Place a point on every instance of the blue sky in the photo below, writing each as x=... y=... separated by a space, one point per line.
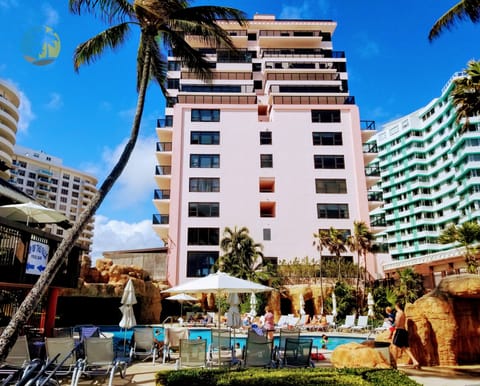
x=84 y=118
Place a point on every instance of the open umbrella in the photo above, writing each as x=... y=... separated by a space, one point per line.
x=128 y=316
x=182 y=298
x=31 y=212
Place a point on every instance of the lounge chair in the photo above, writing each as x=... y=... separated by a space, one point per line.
x=100 y=361
x=297 y=353
x=61 y=353
x=331 y=321
x=282 y=322
x=302 y=321
x=284 y=334
x=220 y=351
x=362 y=323
x=349 y=323
x=144 y=344
x=171 y=342
x=259 y=354
x=12 y=368
x=292 y=321
x=193 y=353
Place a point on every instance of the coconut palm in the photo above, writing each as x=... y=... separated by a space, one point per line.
x=360 y=242
x=410 y=286
x=162 y=25
x=321 y=241
x=243 y=257
x=336 y=246
x=464 y=9
x=466 y=235
x=466 y=94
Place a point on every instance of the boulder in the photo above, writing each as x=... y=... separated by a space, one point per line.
x=354 y=355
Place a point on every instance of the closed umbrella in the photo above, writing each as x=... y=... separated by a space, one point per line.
x=233 y=315
x=253 y=305
x=370 y=304
x=302 y=305
x=334 y=305
x=128 y=316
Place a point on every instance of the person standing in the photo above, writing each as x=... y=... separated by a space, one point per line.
x=268 y=322
x=400 y=337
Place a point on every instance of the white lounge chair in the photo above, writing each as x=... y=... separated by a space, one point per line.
x=362 y=323
x=144 y=344
x=331 y=321
x=282 y=322
x=349 y=323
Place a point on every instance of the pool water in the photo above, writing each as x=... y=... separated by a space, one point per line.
x=120 y=335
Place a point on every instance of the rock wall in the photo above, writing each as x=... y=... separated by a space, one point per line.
x=444 y=325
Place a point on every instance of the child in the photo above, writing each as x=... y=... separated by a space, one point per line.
x=324 y=341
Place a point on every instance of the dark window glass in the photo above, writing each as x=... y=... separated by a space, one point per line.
x=326 y=116
x=204 y=185
x=203 y=236
x=200 y=263
x=203 y=209
x=327 y=139
x=204 y=160
x=267 y=234
x=330 y=185
x=265 y=138
x=266 y=160
x=329 y=162
x=204 y=137
x=205 y=115
x=332 y=211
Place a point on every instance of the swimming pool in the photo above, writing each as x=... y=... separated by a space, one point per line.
x=205 y=333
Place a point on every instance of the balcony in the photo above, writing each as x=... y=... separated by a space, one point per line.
x=163 y=170
x=165 y=122
x=160 y=219
x=378 y=221
x=161 y=194
x=164 y=146
x=372 y=171
x=312 y=100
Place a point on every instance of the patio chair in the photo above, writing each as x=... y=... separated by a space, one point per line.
x=302 y=321
x=331 y=321
x=259 y=354
x=284 y=334
x=362 y=323
x=220 y=351
x=100 y=361
x=13 y=366
x=193 y=353
x=171 y=342
x=60 y=353
x=144 y=344
x=349 y=323
x=297 y=353
x=282 y=322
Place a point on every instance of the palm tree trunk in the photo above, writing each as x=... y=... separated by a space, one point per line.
x=321 y=282
x=358 y=283
x=9 y=335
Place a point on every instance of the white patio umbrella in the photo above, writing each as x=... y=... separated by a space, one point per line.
x=334 y=305
x=233 y=315
x=182 y=298
x=253 y=305
x=128 y=316
x=302 y=305
x=370 y=304
x=31 y=212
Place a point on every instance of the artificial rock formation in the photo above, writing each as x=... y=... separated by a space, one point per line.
x=355 y=355
x=444 y=324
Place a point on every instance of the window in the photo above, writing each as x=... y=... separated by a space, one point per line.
x=327 y=139
x=203 y=209
x=64 y=191
x=66 y=176
x=63 y=199
x=65 y=184
x=265 y=138
x=252 y=36
x=332 y=211
x=21 y=172
x=76 y=186
x=173 y=66
x=204 y=137
x=257 y=84
x=267 y=209
x=31 y=183
x=266 y=160
x=266 y=185
x=329 y=162
x=267 y=234
x=200 y=263
x=204 y=160
x=205 y=115
x=203 y=236
x=173 y=83
x=32 y=175
x=204 y=185
x=322 y=116
x=330 y=185
x=54 y=181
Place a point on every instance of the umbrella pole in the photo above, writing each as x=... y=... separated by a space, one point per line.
x=125 y=342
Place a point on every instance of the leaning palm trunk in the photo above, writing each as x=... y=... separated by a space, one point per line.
x=9 y=335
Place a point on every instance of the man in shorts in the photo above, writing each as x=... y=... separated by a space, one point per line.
x=400 y=337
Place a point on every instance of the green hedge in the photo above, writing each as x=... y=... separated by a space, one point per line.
x=284 y=377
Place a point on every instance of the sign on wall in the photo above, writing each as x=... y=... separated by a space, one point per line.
x=37 y=257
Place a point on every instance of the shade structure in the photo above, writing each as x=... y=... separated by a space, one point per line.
x=182 y=298
x=31 y=212
x=219 y=282
x=128 y=316
x=253 y=305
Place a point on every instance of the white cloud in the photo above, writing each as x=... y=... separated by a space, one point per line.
x=51 y=15
x=26 y=113
x=55 y=102
x=308 y=9
x=137 y=180
x=113 y=235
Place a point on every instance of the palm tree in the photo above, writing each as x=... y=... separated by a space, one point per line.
x=466 y=235
x=466 y=94
x=360 y=243
x=411 y=285
x=336 y=246
x=162 y=24
x=321 y=241
x=464 y=9
x=243 y=257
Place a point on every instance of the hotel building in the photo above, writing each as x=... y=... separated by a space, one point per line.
x=9 y=116
x=45 y=178
x=430 y=177
x=273 y=142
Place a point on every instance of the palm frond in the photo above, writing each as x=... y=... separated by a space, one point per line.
x=106 y=10
x=93 y=48
x=459 y=12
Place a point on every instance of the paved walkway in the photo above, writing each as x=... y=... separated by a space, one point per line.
x=143 y=373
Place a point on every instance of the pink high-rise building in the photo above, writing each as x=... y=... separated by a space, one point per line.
x=273 y=142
